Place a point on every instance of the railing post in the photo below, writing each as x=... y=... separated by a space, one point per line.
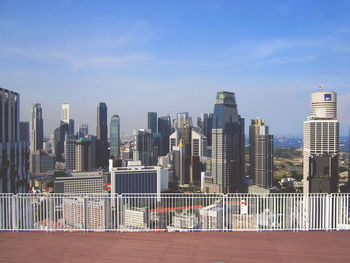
x=119 y=199
x=224 y=199
x=328 y=212
x=305 y=211
x=257 y=212
x=14 y=213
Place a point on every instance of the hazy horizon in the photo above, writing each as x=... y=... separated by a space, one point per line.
x=171 y=57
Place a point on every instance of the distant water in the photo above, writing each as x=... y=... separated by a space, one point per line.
x=297 y=142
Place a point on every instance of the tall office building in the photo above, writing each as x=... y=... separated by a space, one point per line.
x=58 y=141
x=321 y=140
x=84 y=155
x=263 y=158
x=205 y=123
x=198 y=150
x=181 y=119
x=143 y=148
x=199 y=143
x=174 y=139
x=14 y=153
x=66 y=118
x=114 y=136
x=83 y=130
x=164 y=128
x=187 y=139
x=36 y=128
x=41 y=162
x=24 y=131
x=152 y=121
x=156 y=141
x=71 y=130
x=65 y=113
x=178 y=164
x=102 y=155
x=70 y=152
x=254 y=130
x=227 y=145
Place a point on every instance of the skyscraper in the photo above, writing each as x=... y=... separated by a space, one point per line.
x=254 y=130
x=174 y=139
x=181 y=119
x=71 y=127
x=101 y=132
x=198 y=150
x=65 y=113
x=143 y=148
x=164 y=128
x=83 y=130
x=14 y=153
x=227 y=145
x=41 y=162
x=58 y=142
x=263 y=158
x=36 y=128
x=205 y=123
x=321 y=140
x=70 y=152
x=199 y=143
x=152 y=121
x=24 y=131
x=114 y=136
x=84 y=155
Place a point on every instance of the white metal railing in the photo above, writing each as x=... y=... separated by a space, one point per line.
x=174 y=212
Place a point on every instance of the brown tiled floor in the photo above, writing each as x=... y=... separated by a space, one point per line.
x=176 y=247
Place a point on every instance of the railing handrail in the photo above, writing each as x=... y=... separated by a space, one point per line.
x=174 y=212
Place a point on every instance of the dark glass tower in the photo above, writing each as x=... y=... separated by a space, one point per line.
x=164 y=128
x=227 y=145
x=101 y=132
x=114 y=135
x=14 y=153
x=59 y=138
x=152 y=121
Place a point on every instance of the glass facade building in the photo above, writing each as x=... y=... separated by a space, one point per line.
x=164 y=128
x=14 y=153
x=36 y=128
x=101 y=132
x=227 y=145
x=114 y=136
x=152 y=121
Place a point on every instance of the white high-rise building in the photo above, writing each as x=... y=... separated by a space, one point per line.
x=181 y=119
x=174 y=139
x=65 y=113
x=321 y=130
x=199 y=143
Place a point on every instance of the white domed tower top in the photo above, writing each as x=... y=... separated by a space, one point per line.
x=323 y=104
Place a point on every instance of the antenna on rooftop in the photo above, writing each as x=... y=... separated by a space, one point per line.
x=320 y=87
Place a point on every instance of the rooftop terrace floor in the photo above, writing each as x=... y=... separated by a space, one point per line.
x=175 y=247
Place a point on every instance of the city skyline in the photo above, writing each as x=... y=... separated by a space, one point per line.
x=171 y=58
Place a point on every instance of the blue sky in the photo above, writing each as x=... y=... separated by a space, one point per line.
x=173 y=56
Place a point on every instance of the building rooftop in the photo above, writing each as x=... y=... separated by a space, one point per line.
x=175 y=247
